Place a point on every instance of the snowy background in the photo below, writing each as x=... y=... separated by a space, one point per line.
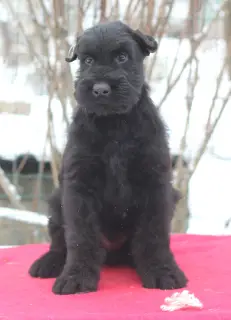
x=209 y=192
x=209 y=197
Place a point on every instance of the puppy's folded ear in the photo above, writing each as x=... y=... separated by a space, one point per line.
x=147 y=43
x=72 y=54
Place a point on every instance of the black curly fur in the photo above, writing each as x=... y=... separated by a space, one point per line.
x=116 y=200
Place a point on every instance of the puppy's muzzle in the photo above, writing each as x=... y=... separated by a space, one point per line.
x=101 y=89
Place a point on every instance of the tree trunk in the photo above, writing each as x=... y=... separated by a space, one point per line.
x=227 y=34
x=10 y=190
x=182 y=214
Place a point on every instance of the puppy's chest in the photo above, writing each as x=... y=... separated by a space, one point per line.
x=117 y=158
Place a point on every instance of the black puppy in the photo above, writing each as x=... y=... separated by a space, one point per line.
x=115 y=200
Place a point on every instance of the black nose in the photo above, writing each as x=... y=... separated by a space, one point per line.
x=101 y=89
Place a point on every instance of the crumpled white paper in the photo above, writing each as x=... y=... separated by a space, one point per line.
x=181 y=301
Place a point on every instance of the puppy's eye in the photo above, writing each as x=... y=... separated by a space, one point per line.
x=88 y=61
x=122 y=57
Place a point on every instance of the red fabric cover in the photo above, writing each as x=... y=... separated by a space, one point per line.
x=205 y=259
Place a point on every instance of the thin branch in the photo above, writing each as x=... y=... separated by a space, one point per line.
x=219 y=157
x=209 y=134
x=197 y=42
x=192 y=82
x=161 y=22
x=174 y=82
x=10 y=190
x=215 y=96
x=32 y=51
x=54 y=165
x=38 y=185
x=175 y=60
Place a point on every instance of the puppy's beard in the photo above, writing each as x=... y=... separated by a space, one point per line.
x=122 y=99
x=106 y=110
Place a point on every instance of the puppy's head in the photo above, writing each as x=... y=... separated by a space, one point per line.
x=111 y=74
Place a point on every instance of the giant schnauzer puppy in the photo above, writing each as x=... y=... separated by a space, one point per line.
x=115 y=200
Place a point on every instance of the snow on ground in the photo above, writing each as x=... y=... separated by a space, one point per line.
x=6 y=247
x=210 y=186
x=24 y=216
x=204 y=221
x=209 y=198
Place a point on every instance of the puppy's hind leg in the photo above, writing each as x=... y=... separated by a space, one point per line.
x=154 y=260
x=51 y=264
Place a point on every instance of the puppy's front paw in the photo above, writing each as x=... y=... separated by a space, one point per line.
x=69 y=283
x=50 y=265
x=165 y=277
